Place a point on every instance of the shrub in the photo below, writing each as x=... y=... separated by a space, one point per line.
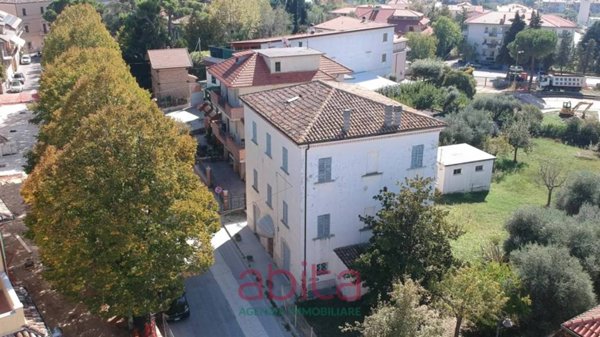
x=530 y=225
x=581 y=189
x=430 y=70
x=558 y=286
x=468 y=126
x=462 y=81
x=501 y=107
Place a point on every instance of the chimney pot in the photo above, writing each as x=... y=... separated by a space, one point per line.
x=387 y=118
x=397 y=115
x=347 y=113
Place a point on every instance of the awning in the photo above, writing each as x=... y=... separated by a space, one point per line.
x=265 y=227
x=17 y=40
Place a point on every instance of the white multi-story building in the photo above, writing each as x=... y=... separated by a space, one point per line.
x=486 y=31
x=361 y=45
x=316 y=155
x=256 y=70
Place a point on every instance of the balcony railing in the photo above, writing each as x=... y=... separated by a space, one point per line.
x=233 y=143
x=220 y=101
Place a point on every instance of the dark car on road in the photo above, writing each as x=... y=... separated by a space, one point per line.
x=179 y=309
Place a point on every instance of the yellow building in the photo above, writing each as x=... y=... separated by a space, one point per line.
x=35 y=27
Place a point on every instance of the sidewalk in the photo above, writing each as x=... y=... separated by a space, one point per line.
x=22 y=97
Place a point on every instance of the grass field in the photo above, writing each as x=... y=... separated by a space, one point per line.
x=483 y=215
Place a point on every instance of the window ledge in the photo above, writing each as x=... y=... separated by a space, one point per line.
x=325 y=181
x=255 y=142
x=323 y=237
x=268 y=155
x=286 y=225
x=416 y=168
x=256 y=189
x=372 y=174
x=285 y=171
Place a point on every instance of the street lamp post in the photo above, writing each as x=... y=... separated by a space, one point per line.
x=505 y=323
x=519 y=52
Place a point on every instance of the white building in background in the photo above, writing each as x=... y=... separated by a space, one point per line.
x=463 y=168
x=316 y=154
x=361 y=45
x=584 y=12
x=486 y=31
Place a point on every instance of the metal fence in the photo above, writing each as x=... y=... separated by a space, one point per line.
x=292 y=315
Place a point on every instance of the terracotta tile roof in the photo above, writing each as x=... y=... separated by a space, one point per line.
x=169 y=58
x=505 y=19
x=347 y=23
x=248 y=68
x=584 y=325
x=313 y=112
x=349 y=254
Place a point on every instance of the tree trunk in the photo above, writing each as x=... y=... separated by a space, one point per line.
x=515 y=157
x=549 y=197
x=457 y=327
x=532 y=72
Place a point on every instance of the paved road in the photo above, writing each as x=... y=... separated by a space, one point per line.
x=216 y=309
x=32 y=74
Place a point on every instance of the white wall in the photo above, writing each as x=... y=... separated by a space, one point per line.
x=294 y=63
x=359 y=50
x=468 y=180
x=348 y=196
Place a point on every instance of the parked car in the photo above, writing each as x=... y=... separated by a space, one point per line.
x=20 y=77
x=15 y=86
x=179 y=309
x=25 y=59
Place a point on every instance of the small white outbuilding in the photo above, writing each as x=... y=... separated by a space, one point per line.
x=463 y=168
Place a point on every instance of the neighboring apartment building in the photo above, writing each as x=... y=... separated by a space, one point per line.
x=171 y=82
x=399 y=61
x=396 y=13
x=31 y=12
x=485 y=31
x=11 y=29
x=471 y=10
x=257 y=70
x=360 y=45
x=317 y=154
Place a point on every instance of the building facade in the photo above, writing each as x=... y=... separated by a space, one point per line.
x=171 y=82
x=31 y=12
x=463 y=168
x=11 y=30
x=486 y=31
x=251 y=71
x=317 y=154
x=360 y=45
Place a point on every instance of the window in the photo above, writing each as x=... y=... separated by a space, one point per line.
x=384 y=37
x=322 y=268
x=284 y=214
x=45 y=28
x=383 y=58
x=284 y=159
x=323 y=223
x=268 y=150
x=372 y=159
x=29 y=45
x=213 y=80
x=24 y=11
x=457 y=171
x=324 y=169
x=300 y=44
x=277 y=67
x=26 y=29
x=417 y=156
x=255 y=180
x=411 y=29
x=269 y=196
x=254 y=133
x=478 y=168
x=486 y=29
x=42 y=10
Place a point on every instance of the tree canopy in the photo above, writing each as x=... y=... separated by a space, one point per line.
x=448 y=35
x=77 y=26
x=411 y=237
x=421 y=46
x=534 y=44
x=517 y=25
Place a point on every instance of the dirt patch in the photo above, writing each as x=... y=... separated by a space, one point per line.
x=24 y=269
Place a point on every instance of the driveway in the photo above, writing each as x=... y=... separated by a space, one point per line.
x=216 y=308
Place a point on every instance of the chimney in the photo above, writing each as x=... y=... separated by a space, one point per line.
x=397 y=115
x=346 y=127
x=387 y=117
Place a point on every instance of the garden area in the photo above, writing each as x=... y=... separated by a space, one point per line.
x=483 y=215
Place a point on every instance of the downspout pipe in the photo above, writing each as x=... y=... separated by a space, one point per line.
x=305 y=212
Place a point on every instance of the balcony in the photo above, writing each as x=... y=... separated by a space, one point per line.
x=12 y=316
x=233 y=113
x=232 y=143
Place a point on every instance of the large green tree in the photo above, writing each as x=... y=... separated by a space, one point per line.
x=448 y=35
x=119 y=215
x=565 y=50
x=534 y=44
x=517 y=25
x=421 y=46
x=56 y=7
x=411 y=237
x=77 y=26
x=403 y=316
